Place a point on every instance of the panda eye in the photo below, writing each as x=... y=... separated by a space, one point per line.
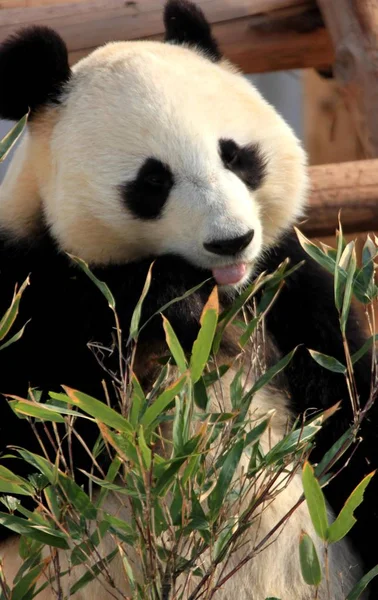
x=229 y=151
x=157 y=180
x=247 y=162
x=147 y=194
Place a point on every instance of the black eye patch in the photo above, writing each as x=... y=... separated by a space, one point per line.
x=146 y=195
x=247 y=162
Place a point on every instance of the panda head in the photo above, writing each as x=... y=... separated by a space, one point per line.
x=146 y=149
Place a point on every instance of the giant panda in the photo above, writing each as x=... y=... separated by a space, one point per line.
x=163 y=151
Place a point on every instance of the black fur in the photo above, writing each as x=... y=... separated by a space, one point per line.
x=186 y=24
x=148 y=193
x=246 y=162
x=33 y=71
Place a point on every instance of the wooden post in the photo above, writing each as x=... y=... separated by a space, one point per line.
x=351 y=187
x=353 y=25
x=257 y=35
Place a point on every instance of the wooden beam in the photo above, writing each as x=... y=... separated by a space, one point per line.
x=351 y=187
x=257 y=35
x=353 y=25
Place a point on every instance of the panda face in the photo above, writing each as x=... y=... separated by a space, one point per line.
x=155 y=149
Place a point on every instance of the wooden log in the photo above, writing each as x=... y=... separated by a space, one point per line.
x=257 y=35
x=353 y=25
x=351 y=187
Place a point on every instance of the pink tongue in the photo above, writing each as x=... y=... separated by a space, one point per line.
x=230 y=274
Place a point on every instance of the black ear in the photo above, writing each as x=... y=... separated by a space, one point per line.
x=186 y=24
x=33 y=70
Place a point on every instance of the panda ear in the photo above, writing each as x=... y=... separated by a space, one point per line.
x=186 y=24
x=33 y=70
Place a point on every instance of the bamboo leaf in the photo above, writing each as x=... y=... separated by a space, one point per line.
x=314 y=252
x=101 y=285
x=263 y=381
x=310 y=565
x=135 y=319
x=328 y=362
x=25 y=584
x=365 y=348
x=315 y=501
x=361 y=586
x=17 y=336
x=12 y=484
x=202 y=346
x=97 y=409
x=34 y=409
x=77 y=497
x=161 y=403
x=225 y=476
x=11 y=138
x=350 y=269
x=346 y=519
x=174 y=346
x=94 y=572
x=339 y=281
x=12 y=312
x=43 y=534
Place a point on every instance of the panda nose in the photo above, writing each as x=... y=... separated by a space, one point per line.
x=230 y=246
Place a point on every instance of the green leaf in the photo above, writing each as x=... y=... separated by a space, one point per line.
x=41 y=464
x=228 y=316
x=168 y=477
x=339 y=281
x=43 y=534
x=135 y=319
x=315 y=501
x=215 y=375
x=77 y=497
x=328 y=362
x=246 y=336
x=225 y=476
x=364 y=279
x=161 y=403
x=365 y=348
x=12 y=484
x=350 y=269
x=291 y=442
x=347 y=438
x=17 y=336
x=345 y=519
x=192 y=290
x=316 y=253
x=202 y=346
x=360 y=587
x=34 y=409
x=138 y=401
x=100 y=284
x=11 y=138
x=263 y=381
x=200 y=394
x=174 y=346
x=11 y=314
x=99 y=410
x=27 y=582
x=222 y=540
x=94 y=572
x=310 y=565
x=144 y=449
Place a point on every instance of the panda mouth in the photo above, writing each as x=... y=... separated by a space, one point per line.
x=230 y=274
